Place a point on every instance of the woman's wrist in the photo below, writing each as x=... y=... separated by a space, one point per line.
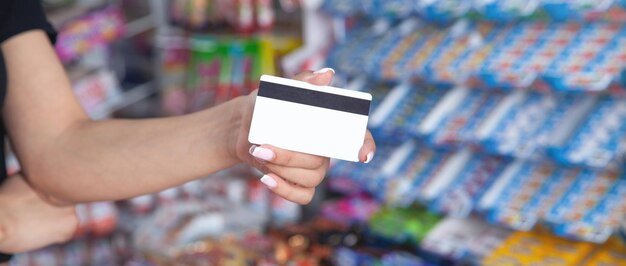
x=222 y=125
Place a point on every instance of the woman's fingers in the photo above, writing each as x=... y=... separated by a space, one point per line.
x=287 y=190
x=366 y=154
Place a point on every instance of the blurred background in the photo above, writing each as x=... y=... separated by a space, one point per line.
x=501 y=130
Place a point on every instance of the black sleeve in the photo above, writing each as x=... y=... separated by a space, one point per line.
x=5 y=257
x=17 y=16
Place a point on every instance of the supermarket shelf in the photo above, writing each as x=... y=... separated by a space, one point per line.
x=62 y=15
x=125 y=99
x=139 y=26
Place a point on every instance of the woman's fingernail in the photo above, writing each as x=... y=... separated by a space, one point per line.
x=269 y=181
x=369 y=157
x=251 y=150
x=263 y=153
x=324 y=70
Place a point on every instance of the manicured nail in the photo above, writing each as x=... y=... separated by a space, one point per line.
x=324 y=70
x=369 y=157
x=263 y=153
x=269 y=181
x=251 y=150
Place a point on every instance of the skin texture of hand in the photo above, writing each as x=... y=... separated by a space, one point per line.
x=289 y=174
x=28 y=222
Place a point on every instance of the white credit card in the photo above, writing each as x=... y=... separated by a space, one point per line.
x=302 y=117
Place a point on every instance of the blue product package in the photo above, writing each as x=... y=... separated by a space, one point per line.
x=466 y=66
x=402 y=185
x=506 y=10
x=348 y=257
x=363 y=172
x=402 y=258
x=443 y=11
x=460 y=40
x=523 y=55
x=582 y=198
x=390 y=9
x=523 y=187
x=404 y=108
x=563 y=10
x=601 y=221
x=591 y=62
x=342 y=8
x=399 y=67
x=525 y=129
x=381 y=51
x=460 y=198
x=459 y=126
x=596 y=142
x=357 y=39
x=550 y=193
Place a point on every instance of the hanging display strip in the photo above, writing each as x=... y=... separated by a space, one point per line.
x=570 y=129
x=574 y=203
x=553 y=56
x=447 y=11
x=489 y=122
x=455 y=150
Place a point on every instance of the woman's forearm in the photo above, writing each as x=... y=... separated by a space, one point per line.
x=71 y=158
x=116 y=159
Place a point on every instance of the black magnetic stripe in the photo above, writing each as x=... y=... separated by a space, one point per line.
x=314 y=98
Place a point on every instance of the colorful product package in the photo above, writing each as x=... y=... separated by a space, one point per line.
x=352 y=178
x=440 y=68
x=407 y=172
x=592 y=61
x=505 y=11
x=459 y=124
x=353 y=209
x=174 y=63
x=584 y=212
x=93 y=30
x=464 y=239
x=442 y=11
x=402 y=110
x=207 y=64
x=460 y=197
x=575 y=10
x=517 y=193
x=403 y=225
x=390 y=9
x=523 y=54
x=526 y=123
x=611 y=253
x=391 y=67
x=341 y=8
x=598 y=140
x=538 y=248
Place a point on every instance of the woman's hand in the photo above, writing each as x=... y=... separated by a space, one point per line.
x=292 y=175
x=28 y=222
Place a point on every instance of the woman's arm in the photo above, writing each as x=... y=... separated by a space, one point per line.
x=74 y=159
x=28 y=222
